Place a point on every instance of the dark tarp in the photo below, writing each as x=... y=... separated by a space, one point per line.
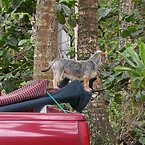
x=73 y=93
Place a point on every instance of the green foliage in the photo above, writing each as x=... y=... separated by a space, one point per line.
x=135 y=67
x=142 y=52
x=64 y=10
x=128 y=82
x=142 y=140
x=140 y=134
x=133 y=64
x=71 y=52
x=115 y=113
x=66 y=16
x=16 y=51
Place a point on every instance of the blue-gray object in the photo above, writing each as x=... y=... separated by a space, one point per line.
x=73 y=93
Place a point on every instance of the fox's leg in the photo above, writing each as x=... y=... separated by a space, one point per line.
x=57 y=75
x=54 y=82
x=97 y=83
x=86 y=83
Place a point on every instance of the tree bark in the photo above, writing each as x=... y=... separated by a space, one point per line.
x=87 y=28
x=100 y=127
x=45 y=38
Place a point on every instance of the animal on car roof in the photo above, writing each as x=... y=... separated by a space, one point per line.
x=82 y=70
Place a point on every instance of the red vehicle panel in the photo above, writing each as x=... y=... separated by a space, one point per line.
x=43 y=129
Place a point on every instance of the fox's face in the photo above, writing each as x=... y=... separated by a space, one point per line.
x=100 y=57
x=104 y=57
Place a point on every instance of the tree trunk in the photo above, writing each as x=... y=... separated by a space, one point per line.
x=87 y=28
x=45 y=38
x=100 y=128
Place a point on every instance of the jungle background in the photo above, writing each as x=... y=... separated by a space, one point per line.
x=119 y=31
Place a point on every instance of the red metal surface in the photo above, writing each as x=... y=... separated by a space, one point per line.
x=40 y=129
x=84 y=133
x=6 y=116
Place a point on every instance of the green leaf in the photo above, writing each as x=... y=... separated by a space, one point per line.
x=8 y=56
x=1 y=53
x=5 y=4
x=9 y=76
x=142 y=52
x=125 y=33
x=72 y=3
x=142 y=140
x=21 y=15
x=136 y=33
x=69 y=3
x=122 y=68
x=143 y=72
x=60 y=1
x=138 y=95
x=143 y=95
x=72 y=21
x=132 y=29
x=61 y=18
x=134 y=56
x=137 y=1
x=136 y=82
x=21 y=42
x=12 y=41
x=130 y=18
x=66 y=9
x=127 y=60
x=58 y=7
x=9 y=86
x=2 y=77
x=104 y=12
